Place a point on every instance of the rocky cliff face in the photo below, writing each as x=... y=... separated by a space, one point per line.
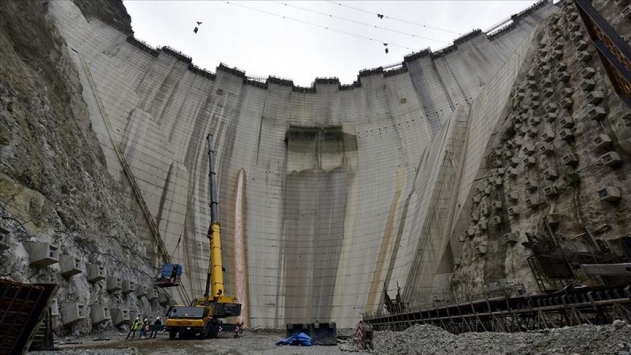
x=54 y=184
x=554 y=190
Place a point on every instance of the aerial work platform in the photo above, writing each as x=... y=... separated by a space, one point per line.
x=169 y=275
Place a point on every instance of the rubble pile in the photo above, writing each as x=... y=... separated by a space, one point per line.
x=584 y=340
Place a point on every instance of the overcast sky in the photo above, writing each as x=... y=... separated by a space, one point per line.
x=289 y=39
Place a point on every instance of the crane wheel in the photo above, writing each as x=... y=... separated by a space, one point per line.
x=172 y=334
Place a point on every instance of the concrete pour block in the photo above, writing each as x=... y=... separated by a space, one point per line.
x=561 y=66
x=609 y=194
x=128 y=286
x=72 y=312
x=69 y=266
x=550 y=174
x=547 y=135
x=566 y=122
x=563 y=76
x=549 y=191
x=532 y=132
x=587 y=72
x=42 y=253
x=545 y=148
x=576 y=36
x=583 y=56
x=531 y=185
x=566 y=92
x=602 y=142
x=141 y=290
x=96 y=273
x=566 y=102
x=548 y=91
x=595 y=97
x=514 y=211
x=595 y=112
x=550 y=107
x=533 y=202
x=120 y=316
x=550 y=117
x=481 y=249
x=588 y=85
x=152 y=294
x=566 y=134
x=581 y=45
x=569 y=159
x=511 y=238
x=113 y=284
x=99 y=314
x=610 y=159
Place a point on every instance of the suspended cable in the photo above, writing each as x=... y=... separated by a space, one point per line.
x=315 y=25
x=361 y=23
x=395 y=19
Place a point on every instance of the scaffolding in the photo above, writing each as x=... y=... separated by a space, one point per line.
x=23 y=308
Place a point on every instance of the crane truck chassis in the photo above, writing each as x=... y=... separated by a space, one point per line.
x=205 y=314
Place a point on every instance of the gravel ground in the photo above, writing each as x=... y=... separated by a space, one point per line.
x=581 y=340
x=419 y=339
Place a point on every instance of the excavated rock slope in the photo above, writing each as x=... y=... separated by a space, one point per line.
x=54 y=184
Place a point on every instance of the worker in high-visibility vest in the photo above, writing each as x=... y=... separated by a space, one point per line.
x=133 y=328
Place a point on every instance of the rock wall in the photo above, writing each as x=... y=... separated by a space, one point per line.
x=54 y=185
x=544 y=198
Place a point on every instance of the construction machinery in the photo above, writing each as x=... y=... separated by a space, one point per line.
x=205 y=315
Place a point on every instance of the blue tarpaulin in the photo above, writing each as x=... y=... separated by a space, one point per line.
x=296 y=339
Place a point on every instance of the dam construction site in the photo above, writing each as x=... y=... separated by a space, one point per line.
x=470 y=200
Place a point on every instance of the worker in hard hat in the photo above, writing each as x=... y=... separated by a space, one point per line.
x=132 y=330
x=156 y=324
x=145 y=328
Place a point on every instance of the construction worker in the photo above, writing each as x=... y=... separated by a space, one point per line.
x=144 y=329
x=157 y=323
x=132 y=330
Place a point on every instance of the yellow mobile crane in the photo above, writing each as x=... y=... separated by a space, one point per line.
x=204 y=315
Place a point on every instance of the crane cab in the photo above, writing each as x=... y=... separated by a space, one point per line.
x=169 y=275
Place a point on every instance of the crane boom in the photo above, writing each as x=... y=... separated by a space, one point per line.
x=215 y=276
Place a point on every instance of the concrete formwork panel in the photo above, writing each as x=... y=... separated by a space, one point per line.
x=96 y=273
x=42 y=253
x=128 y=286
x=114 y=283
x=152 y=294
x=69 y=266
x=99 y=314
x=120 y=316
x=72 y=312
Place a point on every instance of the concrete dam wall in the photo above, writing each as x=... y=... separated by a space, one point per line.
x=330 y=196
